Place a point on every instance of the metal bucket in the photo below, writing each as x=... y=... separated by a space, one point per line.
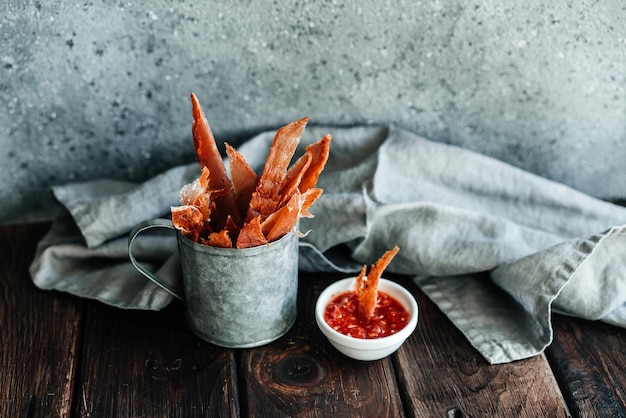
x=234 y=298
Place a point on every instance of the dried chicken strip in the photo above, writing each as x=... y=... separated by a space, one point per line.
x=251 y=234
x=219 y=239
x=292 y=179
x=367 y=286
x=265 y=198
x=305 y=173
x=209 y=156
x=308 y=198
x=360 y=280
x=188 y=220
x=243 y=178
x=197 y=194
x=283 y=220
x=206 y=148
x=191 y=193
x=232 y=228
x=319 y=152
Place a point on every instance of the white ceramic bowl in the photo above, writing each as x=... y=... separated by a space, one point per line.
x=366 y=349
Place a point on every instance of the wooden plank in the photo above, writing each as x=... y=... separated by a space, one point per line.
x=302 y=375
x=441 y=375
x=39 y=333
x=139 y=363
x=589 y=359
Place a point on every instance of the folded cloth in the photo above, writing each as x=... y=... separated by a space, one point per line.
x=85 y=252
x=496 y=248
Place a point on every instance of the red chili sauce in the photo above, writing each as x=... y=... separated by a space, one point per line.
x=389 y=316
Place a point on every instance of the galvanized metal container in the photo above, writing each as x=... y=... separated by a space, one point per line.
x=234 y=298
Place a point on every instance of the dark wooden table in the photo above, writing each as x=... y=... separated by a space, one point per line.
x=65 y=356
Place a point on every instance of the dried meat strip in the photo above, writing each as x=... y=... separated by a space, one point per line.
x=209 y=156
x=367 y=286
x=266 y=197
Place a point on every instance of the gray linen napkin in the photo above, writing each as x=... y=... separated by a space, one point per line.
x=496 y=248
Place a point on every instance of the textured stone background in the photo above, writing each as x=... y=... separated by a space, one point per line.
x=102 y=89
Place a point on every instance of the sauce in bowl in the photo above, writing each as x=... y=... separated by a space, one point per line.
x=389 y=316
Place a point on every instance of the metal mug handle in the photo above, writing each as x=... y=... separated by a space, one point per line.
x=152 y=223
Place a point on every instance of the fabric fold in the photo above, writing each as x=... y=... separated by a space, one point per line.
x=496 y=248
x=105 y=208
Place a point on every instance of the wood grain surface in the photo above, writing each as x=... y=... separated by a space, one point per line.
x=40 y=334
x=61 y=356
x=589 y=360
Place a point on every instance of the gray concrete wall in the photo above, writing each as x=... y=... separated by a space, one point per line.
x=94 y=89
